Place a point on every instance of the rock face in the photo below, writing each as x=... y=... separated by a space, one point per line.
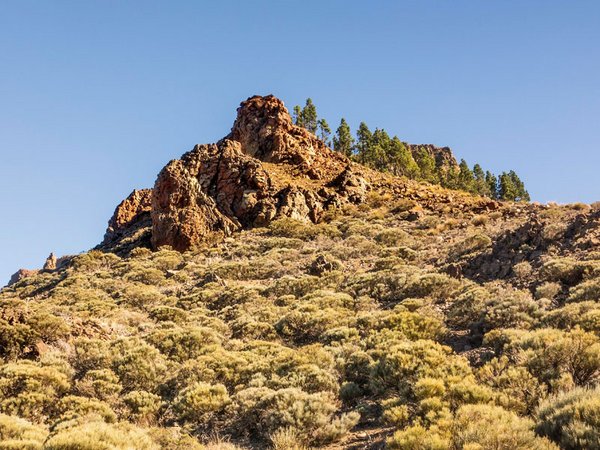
x=129 y=225
x=265 y=168
x=50 y=263
x=21 y=274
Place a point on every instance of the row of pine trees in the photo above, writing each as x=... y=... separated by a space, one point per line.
x=378 y=150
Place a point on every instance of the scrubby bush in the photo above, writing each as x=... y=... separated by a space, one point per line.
x=97 y=435
x=138 y=365
x=30 y=391
x=571 y=419
x=551 y=355
x=311 y=416
x=487 y=427
x=585 y=315
x=72 y=407
x=547 y=290
x=296 y=229
x=20 y=434
x=180 y=344
x=143 y=407
x=102 y=384
x=587 y=291
x=472 y=244
x=515 y=388
x=200 y=401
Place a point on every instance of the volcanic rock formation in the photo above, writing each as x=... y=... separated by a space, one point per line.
x=265 y=168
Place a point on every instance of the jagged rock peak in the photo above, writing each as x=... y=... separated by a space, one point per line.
x=265 y=168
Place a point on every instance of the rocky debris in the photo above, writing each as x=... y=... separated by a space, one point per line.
x=526 y=243
x=21 y=274
x=50 y=263
x=351 y=185
x=322 y=265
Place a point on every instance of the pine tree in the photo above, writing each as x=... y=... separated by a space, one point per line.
x=466 y=180
x=309 y=116
x=521 y=193
x=343 y=140
x=507 y=189
x=324 y=131
x=450 y=177
x=481 y=186
x=364 y=141
x=427 y=166
x=298 y=116
x=492 y=183
x=379 y=155
x=403 y=162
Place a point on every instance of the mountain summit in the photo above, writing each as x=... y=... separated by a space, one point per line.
x=266 y=168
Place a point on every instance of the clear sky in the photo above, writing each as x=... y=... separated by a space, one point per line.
x=96 y=96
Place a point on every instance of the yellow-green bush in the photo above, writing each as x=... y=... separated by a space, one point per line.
x=97 y=435
x=31 y=391
x=20 y=434
x=198 y=402
x=571 y=419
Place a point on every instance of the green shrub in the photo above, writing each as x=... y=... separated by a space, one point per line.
x=548 y=290
x=515 y=388
x=200 y=401
x=296 y=229
x=311 y=416
x=417 y=437
x=180 y=344
x=72 y=406
x=472 y=244
x=487 y=427
x=551 y=354
x=20 y=434
x=102 y=384
x=138 y=365
x=585 y=315
x=401 y=365
x=143 y=407
x=571 y=419
x=98 y=435
x=29 y=390
x=587 y=291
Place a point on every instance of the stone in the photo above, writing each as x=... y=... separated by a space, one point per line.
x=322 y=265
x=128 y=222
x=20 y=275
x=50 y=263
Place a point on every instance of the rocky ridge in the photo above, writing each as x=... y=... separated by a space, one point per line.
x=266 y=168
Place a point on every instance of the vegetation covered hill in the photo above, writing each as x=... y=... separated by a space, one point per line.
x=405 y=316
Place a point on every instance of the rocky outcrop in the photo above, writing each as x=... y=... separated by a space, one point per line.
x=265 y=168
x=50 y=263
x=20 y=275
x=130 y=224
x=443 y=156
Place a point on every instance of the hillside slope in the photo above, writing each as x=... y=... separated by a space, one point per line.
x=269 y=293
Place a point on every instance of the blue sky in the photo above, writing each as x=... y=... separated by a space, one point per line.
x=97 y=96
